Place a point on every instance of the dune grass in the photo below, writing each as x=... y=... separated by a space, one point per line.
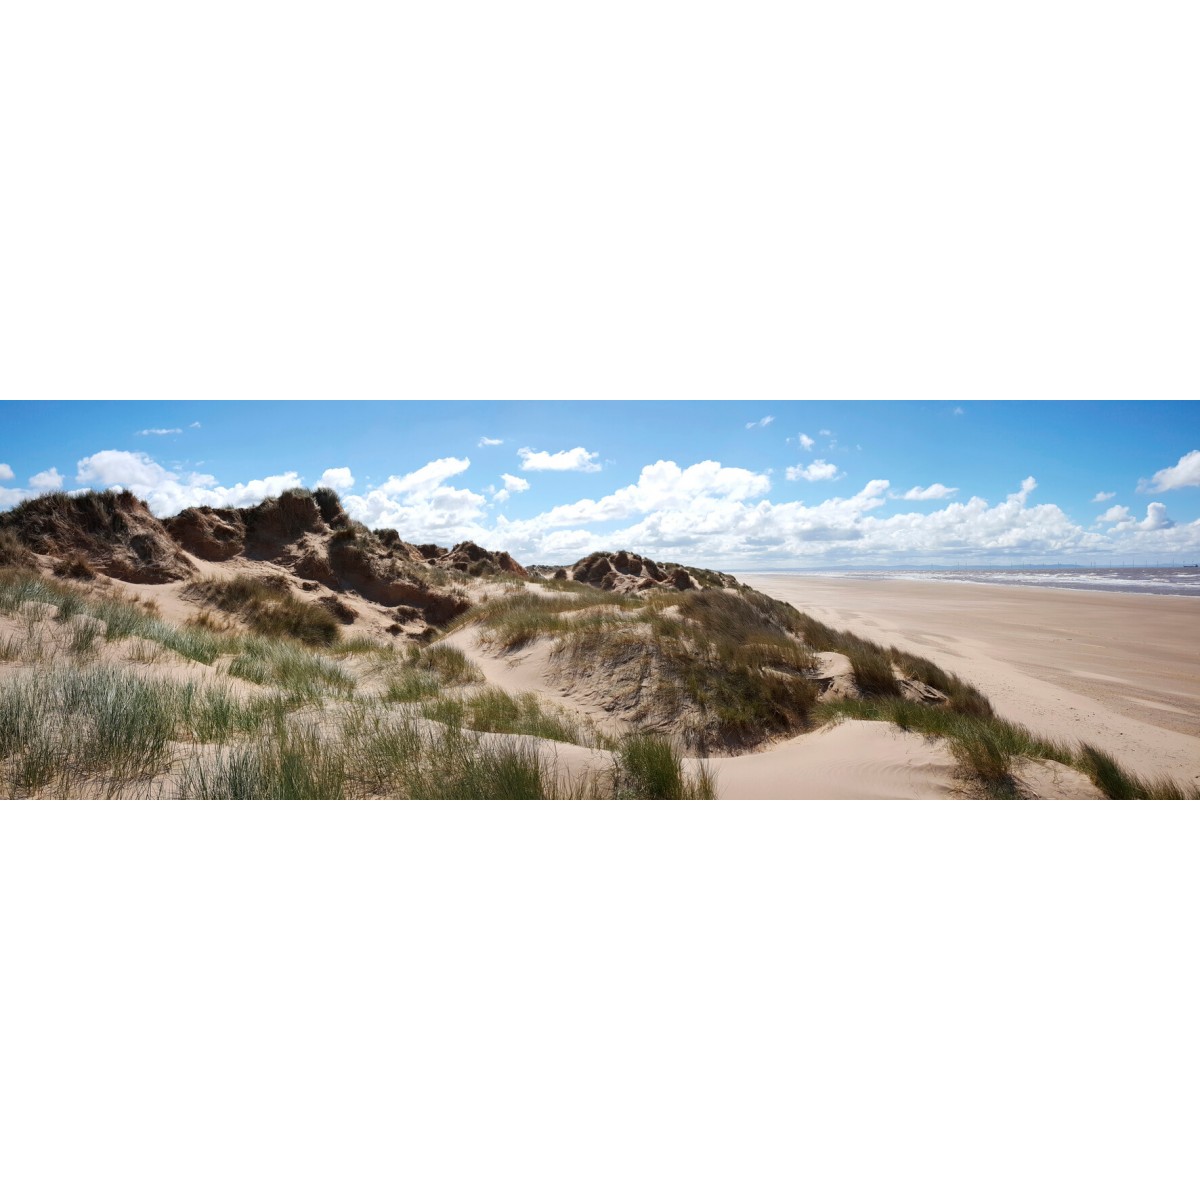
x=1114 y=781
x=649 y=767
x=720 y=665
x=512 y=621
x=108 y=726
x=267 y=605
x=290 y=666
x=989 y=748
x=493 y=710
x=294 y=765
x=120 y=618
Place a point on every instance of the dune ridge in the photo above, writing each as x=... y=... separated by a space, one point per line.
x=285 y=649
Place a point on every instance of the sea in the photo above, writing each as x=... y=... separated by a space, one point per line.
x=1142 y=581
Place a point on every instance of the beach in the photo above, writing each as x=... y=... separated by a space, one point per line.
x=1120 y=671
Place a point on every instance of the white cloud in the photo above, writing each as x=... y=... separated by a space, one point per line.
x=935 y=491
x=512 y=483
x=1185 y=473
x=759 y=424
x=337 y=478
x=1156 y=519
x=958 y=412
x=194 y=425
x=6 y=472
x=664 y=486
x=421 y=507
x=824 y=433
x=807 y=442
x=815 y=472
x=1100 y=497
x=487 y=441
x=164 y=491
x=706 y=513
x=431 y=475
x=46 y=479
x=577 y=459
x=156 y=432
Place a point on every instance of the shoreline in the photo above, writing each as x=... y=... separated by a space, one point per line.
x=1121 y=588
x=1116 y=669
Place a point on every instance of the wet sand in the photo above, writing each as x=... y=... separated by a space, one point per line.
x=1120 y=671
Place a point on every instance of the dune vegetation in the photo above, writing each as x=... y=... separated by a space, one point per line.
x=314 y=662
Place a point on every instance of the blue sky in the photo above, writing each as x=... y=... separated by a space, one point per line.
x=733 y=484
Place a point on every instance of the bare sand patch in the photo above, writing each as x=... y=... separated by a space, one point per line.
x=854 y=760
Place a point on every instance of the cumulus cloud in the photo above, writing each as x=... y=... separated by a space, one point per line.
x=935 y=491
x=421 y=508
x=431 y=475
x=337 y=478
x=194 y=425
x=512 y=484
x=6 y=472
x=759 y=424
x=1185 y=473
x=1100 y=497
x=663 y=486
x=806 y=442
x=1156 y=519
x=46 y=479
x=675 y=514
x=156 y=432
x=487 y=441
x=577 y=459
x=816 y=471
x=166 y=492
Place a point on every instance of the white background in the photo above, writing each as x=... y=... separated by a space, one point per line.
x=625 y=200
x=640 y=198
x=637 y=1000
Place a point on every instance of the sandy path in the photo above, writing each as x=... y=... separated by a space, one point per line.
x=1120 y=671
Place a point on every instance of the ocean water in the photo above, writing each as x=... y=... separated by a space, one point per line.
x=1154 y=581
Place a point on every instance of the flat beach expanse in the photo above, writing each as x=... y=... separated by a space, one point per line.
x=1120 y=671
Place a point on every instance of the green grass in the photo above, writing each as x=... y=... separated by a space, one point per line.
x=294 y=765
x=291 y=667
x=120 y=618
x=269 y=608
x=74 y=724
x=493 y=710
x=410 y=684
x=723 y=667
x=873 y=672
x=650 y=768
x=513 y=621
x=1118 y=784
x=989 y=748
x=448 y=663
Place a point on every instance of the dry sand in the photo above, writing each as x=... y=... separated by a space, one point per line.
x=1120 y=671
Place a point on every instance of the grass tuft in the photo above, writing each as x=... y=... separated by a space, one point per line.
x=267 y=605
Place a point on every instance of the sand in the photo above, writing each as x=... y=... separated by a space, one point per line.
x=1120 y=671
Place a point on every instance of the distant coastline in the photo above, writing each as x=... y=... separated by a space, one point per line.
x=1138 y=581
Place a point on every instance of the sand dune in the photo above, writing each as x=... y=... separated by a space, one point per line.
x=1120 y=671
